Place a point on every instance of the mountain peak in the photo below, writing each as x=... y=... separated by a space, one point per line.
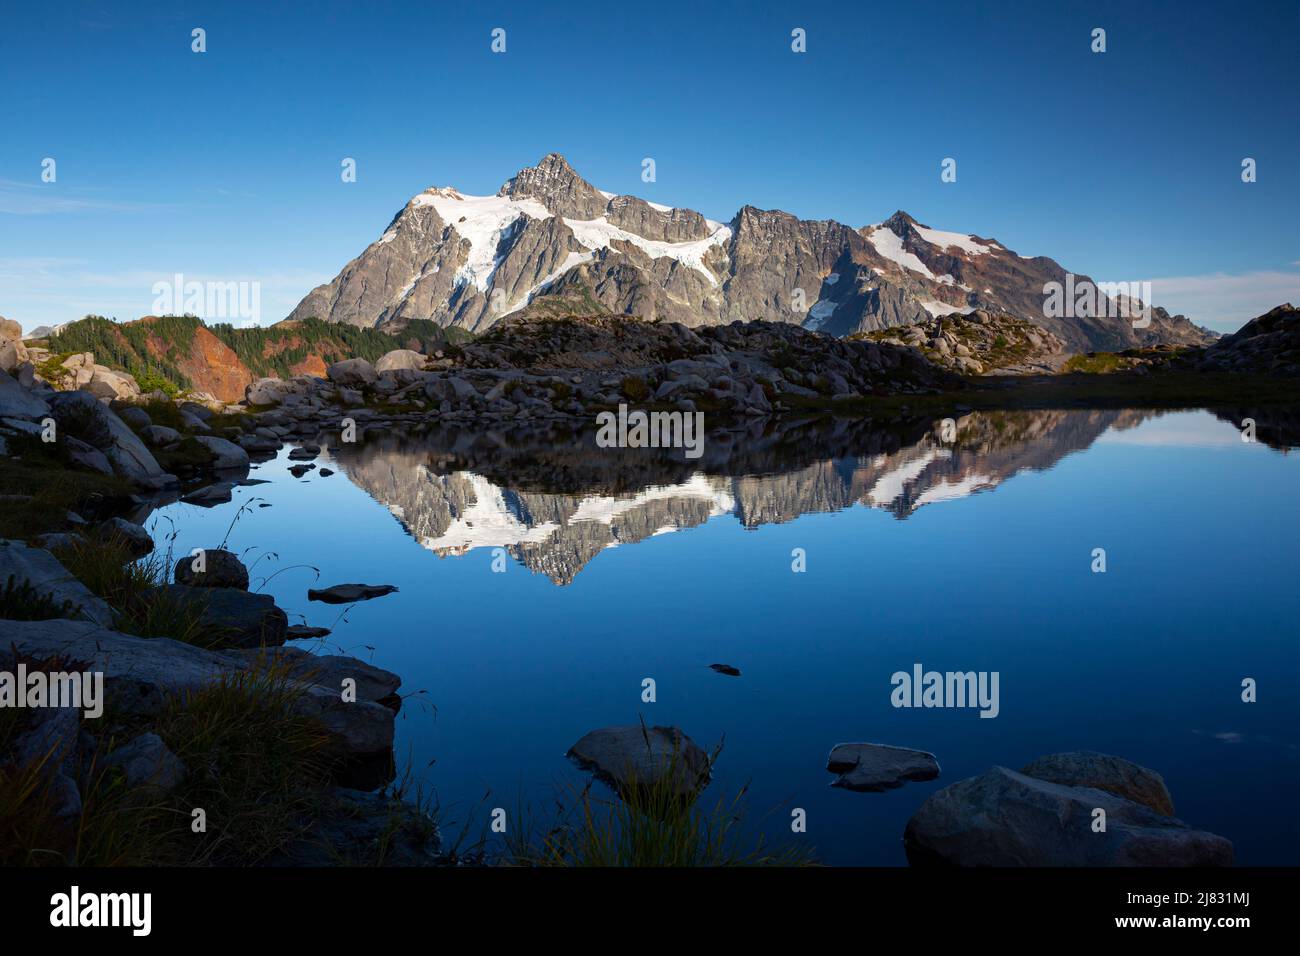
x=900 y=218
x=557 y=186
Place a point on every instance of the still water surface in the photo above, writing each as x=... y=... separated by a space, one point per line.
x=970 y=555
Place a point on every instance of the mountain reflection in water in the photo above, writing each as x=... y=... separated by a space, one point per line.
x=554 y=500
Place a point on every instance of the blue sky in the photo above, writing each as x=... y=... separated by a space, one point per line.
x=225 y=165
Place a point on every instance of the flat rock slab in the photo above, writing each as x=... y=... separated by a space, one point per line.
x=634 y=756
x=349 y=593
x=1124 y=778
x=874 y=768
x=46 y=576
x=1004 y=818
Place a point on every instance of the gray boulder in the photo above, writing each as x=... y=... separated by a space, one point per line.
x=636 y=757
x=221 y=569
x=873 y=768
x=18 y=402
x=227 y=456
x=352 y=373
x=134 y=537
x=400 y=359
x=1003 y=818
x=146 y=763
x=82 y=416
x=43 y=572
x=135 y=416
x=160 y=435
x=1106 y=772
x=83 y=455
x=106 y=383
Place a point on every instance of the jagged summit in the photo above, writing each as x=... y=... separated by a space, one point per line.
x=469 y=261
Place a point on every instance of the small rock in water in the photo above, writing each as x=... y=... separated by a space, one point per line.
x=634 y=756
x=305 y=632
x=348 y=593
x=265 y=504
x=725 y=669
x=325 y=472
x=873 y=768
x=305 y=453
x=210 y=495
x=299 y=470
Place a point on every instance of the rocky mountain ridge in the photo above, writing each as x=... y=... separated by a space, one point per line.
x=469 y=261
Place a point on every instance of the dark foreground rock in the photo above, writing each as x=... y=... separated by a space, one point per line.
x=218 y=569
x=1269 y=344
x=1003 y=818
x=230 y=617
x=353 y=828
x=635 y=756
x=873 y=768
x=141 y=674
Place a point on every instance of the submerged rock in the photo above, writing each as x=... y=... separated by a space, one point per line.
x=348 y=593
x=725 y=669
x=1003 y=818
x=635 y=756
x=873 y=768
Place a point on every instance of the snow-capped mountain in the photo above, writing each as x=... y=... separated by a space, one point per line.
x=471 y=260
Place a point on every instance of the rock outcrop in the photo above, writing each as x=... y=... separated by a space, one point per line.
x=981 y=343
x=1269 y=344
x=1004 y=818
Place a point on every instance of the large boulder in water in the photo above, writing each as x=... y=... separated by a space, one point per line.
x=1004 y=818
x=1124 y=778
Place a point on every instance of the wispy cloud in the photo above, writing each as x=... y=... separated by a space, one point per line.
x=1223 y=301
x=30 y=199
